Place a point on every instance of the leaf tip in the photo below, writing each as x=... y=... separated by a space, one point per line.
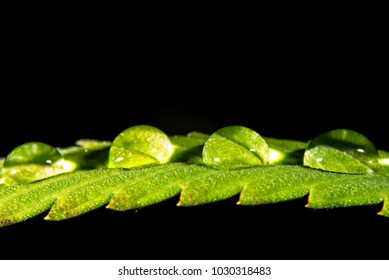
x=385 y=208
x=181 y=202
x=115 y=205
x=48 y=217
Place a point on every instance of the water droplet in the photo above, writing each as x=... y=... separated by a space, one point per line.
x=140 y=145
x=32 y=152
x=341 y=150
x=235 y=146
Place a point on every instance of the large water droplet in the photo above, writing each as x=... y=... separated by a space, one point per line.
x=33 y=161
x=341 y=150
x=32 y=152
x=140 y=145
x=235 y=146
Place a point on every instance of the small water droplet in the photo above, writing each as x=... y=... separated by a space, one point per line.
x=217 y=159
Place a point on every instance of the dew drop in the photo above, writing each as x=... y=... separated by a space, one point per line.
x=32 y=152
x=341 y=150
x=235 y=146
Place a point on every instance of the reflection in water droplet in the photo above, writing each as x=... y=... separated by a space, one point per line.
x=13 y=172
x=319 y=159
x=361 y=150
x=275 y=155
x=252 y=150
x=66 y=165
x=119 y=159
x=154 y=150
x=217 y=159
x=384 y=161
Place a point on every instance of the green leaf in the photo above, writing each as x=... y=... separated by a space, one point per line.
x=188 y=148
x=341 y=150
x=285 y=151
x=26 y=173
x=348 y=190
x=23 y=201
x=140 y=145
x=235 y=146
x=383 y=163
x=87 y=153
x=72 y=194
x=326 y=189
x=259 y=170
x=93 y=144
x=152 y=185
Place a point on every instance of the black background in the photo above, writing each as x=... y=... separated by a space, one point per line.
x=60 y=88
